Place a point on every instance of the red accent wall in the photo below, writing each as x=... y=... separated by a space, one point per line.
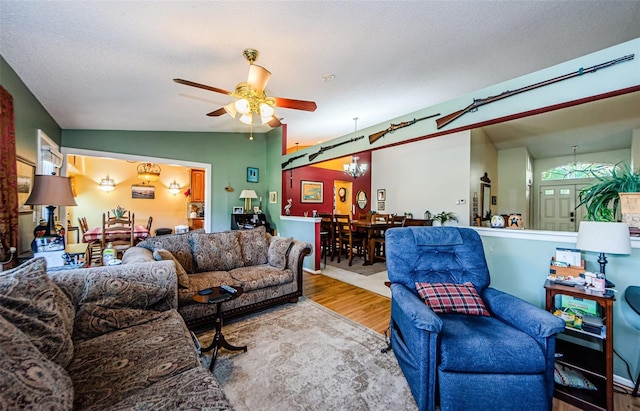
x=291 y=187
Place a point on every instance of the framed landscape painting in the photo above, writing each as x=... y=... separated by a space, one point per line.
x=26 y=171
x=311 y=191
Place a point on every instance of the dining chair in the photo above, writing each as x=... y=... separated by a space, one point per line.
x=327 y=235
x=377 y=241
x=149 y=221
x=348 y=239
x=119 y=232
x=398 y=220
x=94 y=249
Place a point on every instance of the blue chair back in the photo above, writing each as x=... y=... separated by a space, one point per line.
x=436 y=255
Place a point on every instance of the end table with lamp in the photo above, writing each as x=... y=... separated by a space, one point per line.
x=50 y=191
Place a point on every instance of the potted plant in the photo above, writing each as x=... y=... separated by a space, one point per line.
x=443 y=217
x=620 y=190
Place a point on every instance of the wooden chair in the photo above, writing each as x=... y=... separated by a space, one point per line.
x=398 y=220
x=327 y=235
x=376 y=242
x=119 y=232
x=149 y=221
x=348 y=240
x=94 y=249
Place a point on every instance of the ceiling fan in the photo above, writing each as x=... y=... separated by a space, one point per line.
x=252 y=105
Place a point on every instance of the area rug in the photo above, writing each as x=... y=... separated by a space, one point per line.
x=357 y=265
x=305 y=357
x=373 y=283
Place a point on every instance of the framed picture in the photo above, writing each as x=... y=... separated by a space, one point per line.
x=380 y=205
x=143 y=191
x=252 y=175
x=238 y=210
x=382 y=195
x=273 y=197
x=26 y=172
x=311 y=191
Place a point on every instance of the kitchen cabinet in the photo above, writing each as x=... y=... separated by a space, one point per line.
x=195 y=223
x=197 y=186
x=587 y=352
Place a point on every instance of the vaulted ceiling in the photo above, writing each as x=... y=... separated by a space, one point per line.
x=110 y=65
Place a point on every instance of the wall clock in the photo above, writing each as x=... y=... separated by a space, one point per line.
x=342 y=194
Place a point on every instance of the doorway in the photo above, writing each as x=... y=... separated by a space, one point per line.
x=557 y=206
x=342 y=197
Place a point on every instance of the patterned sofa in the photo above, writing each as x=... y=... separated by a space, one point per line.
x=105 y=338
x=268 y=268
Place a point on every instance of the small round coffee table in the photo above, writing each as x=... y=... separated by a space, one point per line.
x=215 y=295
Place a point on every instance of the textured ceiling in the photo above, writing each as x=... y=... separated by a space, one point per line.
x=110 y=64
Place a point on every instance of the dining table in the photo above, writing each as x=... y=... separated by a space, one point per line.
x=370 y=228
x=140 y=233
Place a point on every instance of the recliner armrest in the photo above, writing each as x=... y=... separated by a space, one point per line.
x=522 y=315
x=414 y=309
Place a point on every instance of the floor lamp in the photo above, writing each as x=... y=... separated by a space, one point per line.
x=604 y=237
x=51 y=191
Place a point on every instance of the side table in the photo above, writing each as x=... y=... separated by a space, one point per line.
x=577 y=352
x=215 y=295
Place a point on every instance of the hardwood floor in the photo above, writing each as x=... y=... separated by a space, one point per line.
x=373 y=311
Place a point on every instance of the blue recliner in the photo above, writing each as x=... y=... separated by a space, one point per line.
x=465 y=362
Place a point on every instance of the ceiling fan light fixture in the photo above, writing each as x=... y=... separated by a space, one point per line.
x=243 y=106
x=266 y=111
x=231 y=109
x=246 y=119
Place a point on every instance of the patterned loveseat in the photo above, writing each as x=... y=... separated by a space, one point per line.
x=105 y=338
x=268 y=268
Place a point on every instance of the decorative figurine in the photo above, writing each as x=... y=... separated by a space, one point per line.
x=287 y=208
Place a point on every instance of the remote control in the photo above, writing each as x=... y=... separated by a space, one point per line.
x=228 y=289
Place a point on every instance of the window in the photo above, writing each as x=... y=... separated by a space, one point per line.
x=575 y=170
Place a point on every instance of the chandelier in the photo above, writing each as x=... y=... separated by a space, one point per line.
x=354 y=169
x=148 y=172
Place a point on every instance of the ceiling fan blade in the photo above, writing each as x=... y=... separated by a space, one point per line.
x=258 y=77
x=295 y=104
x=217 y=112
x=274 y=122
x=202 y=86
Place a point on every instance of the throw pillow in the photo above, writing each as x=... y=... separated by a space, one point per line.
x=217 y=251
x=254 y=246
x=32 y=302
x=452 y=298
x=570 y=377
x=162 y=254
x=28 y=380
x=278 y=251
x=177 y=244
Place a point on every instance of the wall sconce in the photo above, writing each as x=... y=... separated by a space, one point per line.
x=107 y=184
x=174 y=188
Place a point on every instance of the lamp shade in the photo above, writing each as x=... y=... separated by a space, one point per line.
x=604 y=237
x=51 y=190
x=248 y=194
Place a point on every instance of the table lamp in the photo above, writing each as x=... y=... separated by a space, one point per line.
x=248 y=195
x=51 y=191
x=604 y=237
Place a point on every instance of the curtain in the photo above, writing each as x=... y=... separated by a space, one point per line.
x=8 y=177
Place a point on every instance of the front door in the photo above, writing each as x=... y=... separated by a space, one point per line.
x=558 y=208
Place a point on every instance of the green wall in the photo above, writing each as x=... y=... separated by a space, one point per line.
x=520 y=267
x=228 y=153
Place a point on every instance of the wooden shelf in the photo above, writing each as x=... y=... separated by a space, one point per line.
x=589 y=353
